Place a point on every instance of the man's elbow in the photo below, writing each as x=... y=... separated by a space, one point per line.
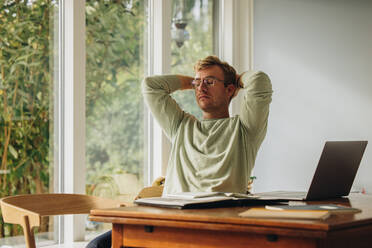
x=146 y=84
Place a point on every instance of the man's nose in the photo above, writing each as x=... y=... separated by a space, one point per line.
x=202 y=86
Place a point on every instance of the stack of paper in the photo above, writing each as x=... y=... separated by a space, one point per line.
x=287 y=214
x=312 y=211
x=333 y=208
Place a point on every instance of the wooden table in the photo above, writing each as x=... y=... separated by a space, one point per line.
x=139 y=226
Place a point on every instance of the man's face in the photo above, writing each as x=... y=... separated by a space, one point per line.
x=212 y=98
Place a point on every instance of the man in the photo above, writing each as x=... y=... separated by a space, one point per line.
x=218 y=152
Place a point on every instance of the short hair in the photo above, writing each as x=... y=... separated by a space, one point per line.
x=228 y=71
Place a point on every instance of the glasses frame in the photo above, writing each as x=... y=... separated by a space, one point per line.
x=209 y=82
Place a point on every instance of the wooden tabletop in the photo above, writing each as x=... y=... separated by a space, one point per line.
x=222 y=218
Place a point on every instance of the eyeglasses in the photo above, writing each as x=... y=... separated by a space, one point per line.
x=208 y=81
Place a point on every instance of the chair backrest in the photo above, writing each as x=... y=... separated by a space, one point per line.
x=27 y=210
x=153 y=191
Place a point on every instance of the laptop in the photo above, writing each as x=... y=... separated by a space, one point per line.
x=334 y=175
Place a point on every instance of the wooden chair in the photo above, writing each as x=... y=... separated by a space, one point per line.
x=155 y=190
x=27 y=210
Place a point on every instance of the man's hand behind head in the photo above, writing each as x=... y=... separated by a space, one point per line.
x=185 y=82
x=239 y=85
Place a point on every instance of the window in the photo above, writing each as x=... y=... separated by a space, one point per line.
x=115 y=67
x=28 y=75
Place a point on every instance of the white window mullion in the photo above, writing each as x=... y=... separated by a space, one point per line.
x=161 y=65
x=149 y=121
x=59 y=120
x=74 y=111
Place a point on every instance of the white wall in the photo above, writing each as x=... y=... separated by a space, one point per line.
x=318 y=54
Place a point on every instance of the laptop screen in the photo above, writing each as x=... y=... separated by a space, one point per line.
x=337 y=168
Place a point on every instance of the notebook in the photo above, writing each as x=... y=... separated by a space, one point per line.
x=334 y=175
x=189 y=200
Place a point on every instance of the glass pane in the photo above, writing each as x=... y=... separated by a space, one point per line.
x=193 y=34
x=116 y=34
x=28 y=58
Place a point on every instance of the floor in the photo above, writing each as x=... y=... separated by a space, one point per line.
x=43 y=241
x=75 y=245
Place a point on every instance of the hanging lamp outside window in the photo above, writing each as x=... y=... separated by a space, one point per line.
x=179 y=22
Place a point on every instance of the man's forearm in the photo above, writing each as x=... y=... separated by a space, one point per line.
x=156 y=91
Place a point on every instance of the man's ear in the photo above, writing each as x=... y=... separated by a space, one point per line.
x=231 y=90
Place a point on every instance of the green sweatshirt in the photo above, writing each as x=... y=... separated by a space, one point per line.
x=212 y=154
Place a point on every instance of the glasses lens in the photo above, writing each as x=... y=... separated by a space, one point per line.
x=209 y=81
x=196 y=83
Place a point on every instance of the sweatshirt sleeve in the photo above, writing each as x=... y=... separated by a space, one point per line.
x=255 y=105
x=156 y=91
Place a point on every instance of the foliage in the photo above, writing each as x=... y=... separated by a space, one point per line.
x=25 y=93
x=115 y=46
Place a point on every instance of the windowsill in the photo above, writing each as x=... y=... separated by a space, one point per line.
x=75 y=245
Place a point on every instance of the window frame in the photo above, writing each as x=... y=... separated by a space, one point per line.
x=71 y=121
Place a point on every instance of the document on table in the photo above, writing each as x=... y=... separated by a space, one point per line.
x=202 y=200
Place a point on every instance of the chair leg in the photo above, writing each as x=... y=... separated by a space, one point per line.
x=29 y=234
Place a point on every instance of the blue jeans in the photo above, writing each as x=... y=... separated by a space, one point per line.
x=102 y=241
